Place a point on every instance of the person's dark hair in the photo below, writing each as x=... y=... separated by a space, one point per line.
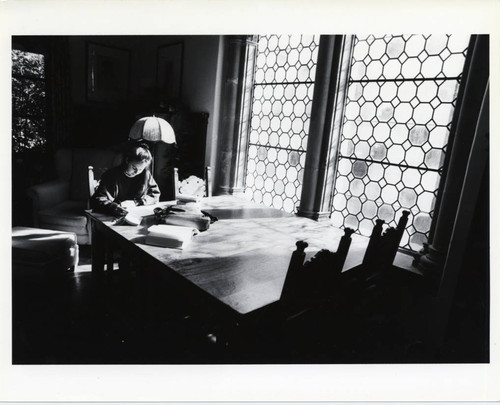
x=138 y=151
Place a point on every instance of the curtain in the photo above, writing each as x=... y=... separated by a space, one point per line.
x=60 y=111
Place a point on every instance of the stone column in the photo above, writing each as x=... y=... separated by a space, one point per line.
x=315 y=196
x=239 y=55
x=475 y=82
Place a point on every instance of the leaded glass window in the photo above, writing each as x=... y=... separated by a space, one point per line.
x=28 y=101
x=281 y=108
x=401 y=96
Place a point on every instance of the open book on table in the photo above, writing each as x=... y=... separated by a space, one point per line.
x=171 y=236
x=135 y=214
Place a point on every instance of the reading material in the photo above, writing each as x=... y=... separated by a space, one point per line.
x=171 y=236
x=132 y=219
x=135 y=214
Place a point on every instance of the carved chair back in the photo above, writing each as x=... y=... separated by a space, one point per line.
x=193 y=185
x=314 y=281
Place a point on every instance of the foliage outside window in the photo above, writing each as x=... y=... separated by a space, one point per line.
x=282 y=98
x=28 y=101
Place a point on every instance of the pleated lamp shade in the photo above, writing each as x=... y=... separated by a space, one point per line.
x=152 y=129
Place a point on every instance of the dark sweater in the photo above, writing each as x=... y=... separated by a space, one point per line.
x=114 y=187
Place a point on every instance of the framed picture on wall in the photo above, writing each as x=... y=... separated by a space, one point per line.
x=107 y=73
x=169 y=71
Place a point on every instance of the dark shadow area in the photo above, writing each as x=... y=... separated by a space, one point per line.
x=125 y=318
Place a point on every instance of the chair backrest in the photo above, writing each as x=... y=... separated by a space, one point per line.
x=193 y=185
x=382 y=247
x=314 y=281
x=93 y=183
x=72 y=165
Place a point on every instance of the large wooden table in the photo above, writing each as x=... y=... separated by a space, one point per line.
x=238 y=265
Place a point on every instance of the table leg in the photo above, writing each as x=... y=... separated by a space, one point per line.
x=98 y=249
x=109 y=258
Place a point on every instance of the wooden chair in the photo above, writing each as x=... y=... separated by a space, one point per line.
x=193 y=186
x=376 y=273
x=382 y=247
x=287 y=330
x=314 y=281
x=356 y=315
x=378 y=299
x=327 y=315
x=93 y=183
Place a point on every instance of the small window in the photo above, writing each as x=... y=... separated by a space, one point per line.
x=28 y=101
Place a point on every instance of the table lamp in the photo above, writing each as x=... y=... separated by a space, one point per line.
x=152 y=129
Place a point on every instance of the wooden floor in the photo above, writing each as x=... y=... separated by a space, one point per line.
x=81 y=319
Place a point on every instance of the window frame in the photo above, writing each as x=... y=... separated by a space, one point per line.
x=320 y=166
x=462 y=78
x=300 y=150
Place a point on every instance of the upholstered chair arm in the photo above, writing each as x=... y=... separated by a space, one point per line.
x=47 y=195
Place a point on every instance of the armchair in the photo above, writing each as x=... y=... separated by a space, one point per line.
x=59 y=204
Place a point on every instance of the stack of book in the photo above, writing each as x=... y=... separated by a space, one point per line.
x=170 y=236
x=187 y=198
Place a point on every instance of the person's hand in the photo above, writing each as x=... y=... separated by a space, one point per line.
x=128 y=204
x=117 y=210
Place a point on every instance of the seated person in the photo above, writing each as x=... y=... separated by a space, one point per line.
x=128 y=184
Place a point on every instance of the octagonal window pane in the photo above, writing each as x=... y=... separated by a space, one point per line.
x=393 y=175
x=406 y=91
x=392 y=69
x=419 y=135
x=372 y=191
x=385 y=111
x=448 y=91
x=408 y=197
x=378 y=151
x=370 y=209
x=395 y=47
x=386 y=212
x=414 y=156
x=354 y=205
x=415 y=45
x=375 y=172
x=359 y=169
x=388 y=91
x=453 y=66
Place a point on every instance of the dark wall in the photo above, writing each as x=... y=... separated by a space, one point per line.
x=104 y=122
x=467 y=338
